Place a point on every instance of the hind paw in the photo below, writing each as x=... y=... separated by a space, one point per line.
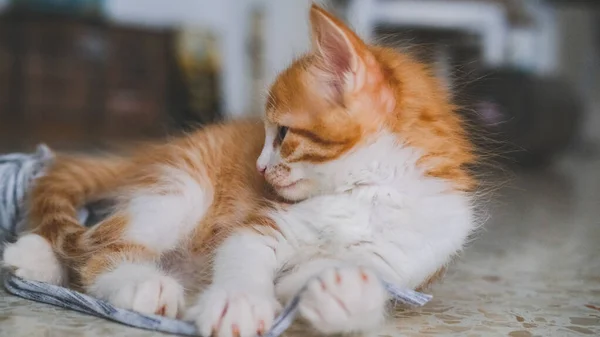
x=32 y=258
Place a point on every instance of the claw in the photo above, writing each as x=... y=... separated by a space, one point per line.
x=235 y=330
x=338 y=278
x=364 y=276
x=261 y=328
x=161 y=311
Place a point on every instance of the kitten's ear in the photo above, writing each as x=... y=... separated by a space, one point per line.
x=342 y=51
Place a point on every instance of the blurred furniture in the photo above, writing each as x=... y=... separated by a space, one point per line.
x=488 y=20
x=522 y=119
x=228 y=19
x=285 y=35
x=74 y=81
x=532 y=47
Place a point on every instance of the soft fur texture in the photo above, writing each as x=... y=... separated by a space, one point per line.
x=363 y=143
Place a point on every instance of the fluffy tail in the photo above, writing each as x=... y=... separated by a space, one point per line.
x=68 y=184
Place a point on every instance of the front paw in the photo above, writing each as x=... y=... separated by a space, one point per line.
x=222 y=312
x=141 y=288
x=344 y=300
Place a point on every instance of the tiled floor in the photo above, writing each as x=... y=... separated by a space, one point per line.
x=533 y=271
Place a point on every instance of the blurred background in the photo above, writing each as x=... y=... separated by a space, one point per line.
x=85 y=74
x=81 y=73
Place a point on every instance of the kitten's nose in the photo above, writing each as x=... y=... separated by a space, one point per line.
x=261 y=169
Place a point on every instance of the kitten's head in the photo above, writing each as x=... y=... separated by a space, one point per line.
x=342 y=97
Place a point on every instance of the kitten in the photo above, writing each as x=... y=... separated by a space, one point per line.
x=362 y=140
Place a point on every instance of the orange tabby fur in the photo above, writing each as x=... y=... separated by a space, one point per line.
x=228 y=155
x=391 y=90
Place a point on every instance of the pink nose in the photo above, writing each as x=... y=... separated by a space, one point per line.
x=261 y=169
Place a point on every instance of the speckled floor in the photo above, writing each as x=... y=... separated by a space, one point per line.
x=533 y=271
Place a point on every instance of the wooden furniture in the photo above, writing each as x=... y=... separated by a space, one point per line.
x=70 y=82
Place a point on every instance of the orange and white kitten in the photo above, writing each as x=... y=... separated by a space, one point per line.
x=363 y=141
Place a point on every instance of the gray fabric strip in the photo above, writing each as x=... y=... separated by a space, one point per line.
x=73 y=300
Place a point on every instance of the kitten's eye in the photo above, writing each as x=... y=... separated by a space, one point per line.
x=281 y=132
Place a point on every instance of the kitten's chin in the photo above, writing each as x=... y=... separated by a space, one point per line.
x=296 y=191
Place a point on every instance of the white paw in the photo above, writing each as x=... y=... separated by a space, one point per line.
x=233 y=313
x=32 y=258
x=344 y=300
x=142 y=288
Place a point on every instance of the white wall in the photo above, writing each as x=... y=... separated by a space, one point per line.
x=286 y=34
x=168 y=13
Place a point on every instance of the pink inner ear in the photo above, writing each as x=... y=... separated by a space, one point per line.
x=336 y=53
x=337 y=56
x=341 y=52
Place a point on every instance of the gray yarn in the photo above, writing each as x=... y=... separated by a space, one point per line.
x=18 y=171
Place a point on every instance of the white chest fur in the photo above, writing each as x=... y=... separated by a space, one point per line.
x=395 y=220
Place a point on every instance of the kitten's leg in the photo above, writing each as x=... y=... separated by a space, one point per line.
x=339 y=299
x=125 y=270
x=67 y=184
x=240 y=301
